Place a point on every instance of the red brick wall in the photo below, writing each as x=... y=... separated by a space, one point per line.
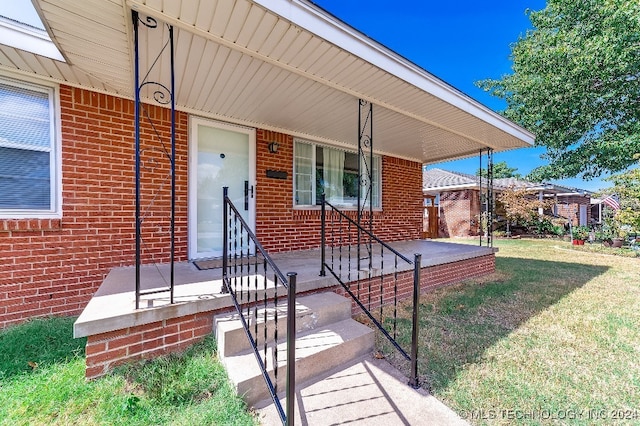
x=280 y=227
x=107 y=350
x=431 y=277
x=569 y=207
x=52 y=267
x=459 y=212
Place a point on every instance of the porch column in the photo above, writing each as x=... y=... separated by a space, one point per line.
x=541 y=199
x=365 y=173
x=163 y=93
x=486 y=200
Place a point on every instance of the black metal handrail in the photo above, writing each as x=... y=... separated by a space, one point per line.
x=341 y=241
x=241 y=252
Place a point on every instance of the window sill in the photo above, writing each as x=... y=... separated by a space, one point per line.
x=341 y=208
x=304 y=212
x=30 y=225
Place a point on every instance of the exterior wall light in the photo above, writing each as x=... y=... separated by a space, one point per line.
x=273 y=147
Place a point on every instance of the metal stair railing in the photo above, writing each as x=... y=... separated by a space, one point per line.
x=374 y=286
x=246 y=267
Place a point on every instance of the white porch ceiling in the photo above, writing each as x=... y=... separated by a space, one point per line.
x=283 y=65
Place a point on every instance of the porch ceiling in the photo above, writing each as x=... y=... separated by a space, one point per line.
x=283 y=65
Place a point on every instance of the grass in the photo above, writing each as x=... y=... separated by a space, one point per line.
x=599 y=248
x=42 y=383
x=552 y=337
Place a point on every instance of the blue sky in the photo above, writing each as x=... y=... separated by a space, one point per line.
x=459 y=41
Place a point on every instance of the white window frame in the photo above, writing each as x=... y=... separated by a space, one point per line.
x=55 y=154
x=377 y=158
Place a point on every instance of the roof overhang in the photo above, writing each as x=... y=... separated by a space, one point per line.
x=283 y=65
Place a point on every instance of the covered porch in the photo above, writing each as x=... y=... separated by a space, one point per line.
x=118 y=332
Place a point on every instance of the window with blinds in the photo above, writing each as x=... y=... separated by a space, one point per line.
x=27 y=150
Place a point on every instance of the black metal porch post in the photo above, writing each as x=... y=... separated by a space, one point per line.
x=490 y=200
x=322 y=236
x=225 y=238
x=291 y=348
x=365 y=169
x=136 y=72
x=417 y=268
x=173 y=164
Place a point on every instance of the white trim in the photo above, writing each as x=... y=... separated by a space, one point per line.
x=55 y=164
x=29 y=39
x=192 y=188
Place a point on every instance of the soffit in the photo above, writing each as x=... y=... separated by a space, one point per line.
x=239 y=61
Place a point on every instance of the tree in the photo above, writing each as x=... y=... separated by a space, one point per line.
x=576 y=86
x=500 y=170
x=521 y=207
x=627 y=187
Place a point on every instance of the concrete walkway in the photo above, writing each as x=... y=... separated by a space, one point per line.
x=368 y=391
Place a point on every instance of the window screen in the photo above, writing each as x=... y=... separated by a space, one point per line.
x=26 y=148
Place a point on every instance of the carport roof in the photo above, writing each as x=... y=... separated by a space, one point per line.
x=283 y=65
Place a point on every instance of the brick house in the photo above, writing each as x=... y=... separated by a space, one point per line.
x=459 y=200
x=267 y=93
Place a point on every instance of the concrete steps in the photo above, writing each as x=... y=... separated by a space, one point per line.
x=326 y=337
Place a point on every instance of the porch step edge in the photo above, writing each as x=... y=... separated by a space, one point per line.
x=312 y=311
x=317 y=351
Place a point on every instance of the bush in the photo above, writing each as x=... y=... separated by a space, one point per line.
x=580 y=232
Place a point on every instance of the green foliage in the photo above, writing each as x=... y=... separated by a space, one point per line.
x=580 y=232
x=575 y=85
x=500 y=170
x=42 y=383
x=521 y=208
x=627 y=186
x=37 y=344
x=541 y=226
x=177 y=379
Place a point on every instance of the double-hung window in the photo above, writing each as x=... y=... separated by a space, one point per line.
x=321 y=169
x=29 y=153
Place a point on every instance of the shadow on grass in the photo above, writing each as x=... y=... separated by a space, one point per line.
x=460 y=322
x=38 y=343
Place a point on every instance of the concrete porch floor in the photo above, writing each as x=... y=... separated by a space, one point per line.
x=113 y=305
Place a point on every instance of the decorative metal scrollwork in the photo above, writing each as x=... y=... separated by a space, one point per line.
x=366 y=141
x=162 y=96
x=148 y=22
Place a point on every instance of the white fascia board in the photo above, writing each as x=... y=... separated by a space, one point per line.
x=328 y=27
x=28 y=39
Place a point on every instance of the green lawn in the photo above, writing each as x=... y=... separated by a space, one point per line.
x=42 y=383
x=552 y=337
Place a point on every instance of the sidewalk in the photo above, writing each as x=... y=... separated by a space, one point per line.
x=368 y=391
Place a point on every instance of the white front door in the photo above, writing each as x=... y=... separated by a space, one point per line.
x=220 y=155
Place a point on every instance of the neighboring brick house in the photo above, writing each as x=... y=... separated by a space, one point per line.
x=248 y=73
x=459 y=204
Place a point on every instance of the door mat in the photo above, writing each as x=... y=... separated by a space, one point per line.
x=217 y=263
